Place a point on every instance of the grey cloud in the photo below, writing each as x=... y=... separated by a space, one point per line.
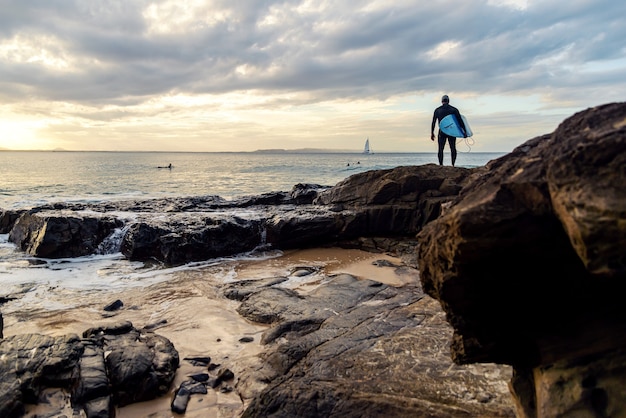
x=350 y=50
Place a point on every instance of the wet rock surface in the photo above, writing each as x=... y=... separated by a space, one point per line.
x=137 y=366
x=521 y=262
x=529 y=265
x=386 y=203
x=338 y=314
x=359 y=348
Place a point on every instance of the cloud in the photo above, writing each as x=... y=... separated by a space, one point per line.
x=256 y=63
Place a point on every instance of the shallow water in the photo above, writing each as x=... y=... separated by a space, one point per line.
x=34 y=178
x=185 y=305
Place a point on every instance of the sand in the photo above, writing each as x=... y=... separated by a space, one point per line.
x=200 y=322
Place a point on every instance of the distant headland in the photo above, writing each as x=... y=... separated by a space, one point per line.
x=260 y=151
x=302 y=151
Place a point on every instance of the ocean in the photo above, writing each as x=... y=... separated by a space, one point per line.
x=40 y=287
x=34 y=178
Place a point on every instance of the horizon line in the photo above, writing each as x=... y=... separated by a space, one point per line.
x=261 y=151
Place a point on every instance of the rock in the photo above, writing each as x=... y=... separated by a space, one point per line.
x=156 y=324
x=267 y=305
x=302 y=227
x=387 y=203
x=305 y=194
x=357 y=348
x=114 y=306
x=140 y=367
x=181 y=239
x=55 y=235
x=224 y=375
x=8 y=219
x=35 y=367
x=99 y=408
x=199 y=361
x=117 y=328
x=93 y=382
x=396 y=201
x=529 y=264
x=31 y=362
x=200 y=377
x=241 y=289
x=181 y=399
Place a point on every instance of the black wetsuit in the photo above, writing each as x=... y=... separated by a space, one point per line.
x=441 y=112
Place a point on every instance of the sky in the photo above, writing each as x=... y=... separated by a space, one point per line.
x=235 y=75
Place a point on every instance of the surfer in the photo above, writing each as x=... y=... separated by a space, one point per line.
x=441 y=112
x=166 y=166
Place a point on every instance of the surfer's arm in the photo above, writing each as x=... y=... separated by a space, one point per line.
x=461 y=123
x=432 y=127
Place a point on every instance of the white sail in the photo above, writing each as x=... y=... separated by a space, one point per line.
x=367 y=149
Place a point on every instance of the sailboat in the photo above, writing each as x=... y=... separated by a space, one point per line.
x=367 y=149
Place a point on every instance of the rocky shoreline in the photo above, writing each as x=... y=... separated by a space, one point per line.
x=525 y=257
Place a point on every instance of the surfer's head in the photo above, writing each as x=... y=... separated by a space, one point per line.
x=445 y=99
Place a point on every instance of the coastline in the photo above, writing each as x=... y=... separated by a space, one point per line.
x=328 y=327
x=190 y=311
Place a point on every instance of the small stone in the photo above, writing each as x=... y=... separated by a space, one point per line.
x=225 y=374
x=181 y=399
x=199 y=361
x=484 y=397
x=200 y=377
x=114 y=306
x=156 y=324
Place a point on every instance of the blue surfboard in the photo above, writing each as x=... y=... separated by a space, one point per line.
x=450 y=126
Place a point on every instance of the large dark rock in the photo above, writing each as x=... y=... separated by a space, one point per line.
x=8 y=218
x=30 y=362
x=529 y=265
x=396 y=201
x=358 y=348
x=386 y=203
x=138 y=367
x=180 y=239
x=58 y=234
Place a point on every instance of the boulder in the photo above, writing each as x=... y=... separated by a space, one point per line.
x=31 y=362
x=529 y=264
x=61 y=234
x=375 y=204
x=138 y=367
x=398 y=201
x=8 y=218
x=358 y=348
x=182 y=238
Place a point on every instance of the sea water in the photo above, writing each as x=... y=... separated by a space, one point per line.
x=33 y=178
x=29 y=179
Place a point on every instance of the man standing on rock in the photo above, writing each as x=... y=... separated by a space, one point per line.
x=441 y=112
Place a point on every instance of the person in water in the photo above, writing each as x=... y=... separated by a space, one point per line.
x=441 y=112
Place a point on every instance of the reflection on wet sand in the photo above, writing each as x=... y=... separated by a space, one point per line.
x=188 y=309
